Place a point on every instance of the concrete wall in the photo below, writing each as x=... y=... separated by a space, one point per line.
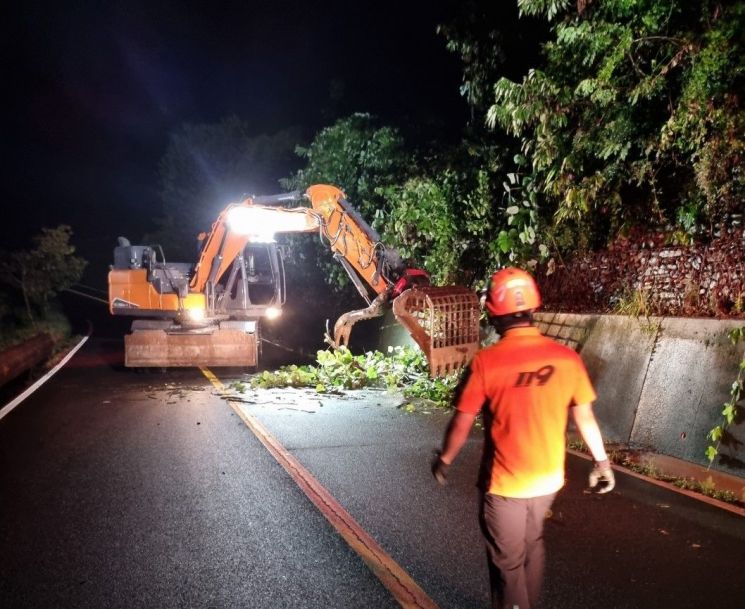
x=661 y=382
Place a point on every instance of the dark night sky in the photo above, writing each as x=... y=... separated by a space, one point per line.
x=93 y=89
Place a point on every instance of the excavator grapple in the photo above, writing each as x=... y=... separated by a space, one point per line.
x=444 y=322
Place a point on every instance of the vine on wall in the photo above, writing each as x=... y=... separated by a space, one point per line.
x=731 y=409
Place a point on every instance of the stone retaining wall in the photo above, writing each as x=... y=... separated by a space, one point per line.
x=661 y=382
x=699 y=280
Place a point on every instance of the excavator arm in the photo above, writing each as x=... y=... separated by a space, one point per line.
x=443 y=321
x=358 y=248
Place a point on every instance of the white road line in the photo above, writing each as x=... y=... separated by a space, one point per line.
x=11 y=405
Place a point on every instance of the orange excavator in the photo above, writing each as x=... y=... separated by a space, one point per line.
x=210 y=313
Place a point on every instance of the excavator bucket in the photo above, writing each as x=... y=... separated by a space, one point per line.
x=444 y=322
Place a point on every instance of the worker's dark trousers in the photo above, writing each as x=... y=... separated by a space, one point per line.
x=513 y=529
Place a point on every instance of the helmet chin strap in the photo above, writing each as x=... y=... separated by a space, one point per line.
x=503 y=323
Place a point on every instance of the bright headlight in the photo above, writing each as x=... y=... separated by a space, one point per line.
x=272 y=313
x=261 y=223
x=246 y=221
x=195 y=314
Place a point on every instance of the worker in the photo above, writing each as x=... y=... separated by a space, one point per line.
x=525 y=385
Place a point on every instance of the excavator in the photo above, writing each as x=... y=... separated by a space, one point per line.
x=210 y=313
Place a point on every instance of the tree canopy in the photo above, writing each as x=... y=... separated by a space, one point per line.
x=358 y=155
x=208 y=166
x=635 y=113
x=40 y=273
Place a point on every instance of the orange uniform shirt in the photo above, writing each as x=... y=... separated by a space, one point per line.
x=526 y=384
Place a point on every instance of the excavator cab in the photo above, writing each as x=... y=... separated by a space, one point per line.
x=176 y=327
x=255 y=281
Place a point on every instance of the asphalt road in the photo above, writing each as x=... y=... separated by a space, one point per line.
x=126 y=490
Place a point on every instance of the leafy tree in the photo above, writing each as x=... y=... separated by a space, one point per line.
x=446 y=216
x=486 y=37
x=447 y=211
x=39 y=274
x=635 y=114
x=208 y=166
x=423 y=223
x=358 y=156
x=632 y=113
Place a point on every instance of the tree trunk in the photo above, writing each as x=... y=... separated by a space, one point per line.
x=26 y=300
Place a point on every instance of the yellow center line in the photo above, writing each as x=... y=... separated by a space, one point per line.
x=398 y=582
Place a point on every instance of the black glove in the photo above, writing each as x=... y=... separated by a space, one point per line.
x=440 y=469
x=602 y=479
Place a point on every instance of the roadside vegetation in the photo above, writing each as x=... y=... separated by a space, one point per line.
x=628 y=459
x=732 y=411
x=30 y=281
x=631 y=117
